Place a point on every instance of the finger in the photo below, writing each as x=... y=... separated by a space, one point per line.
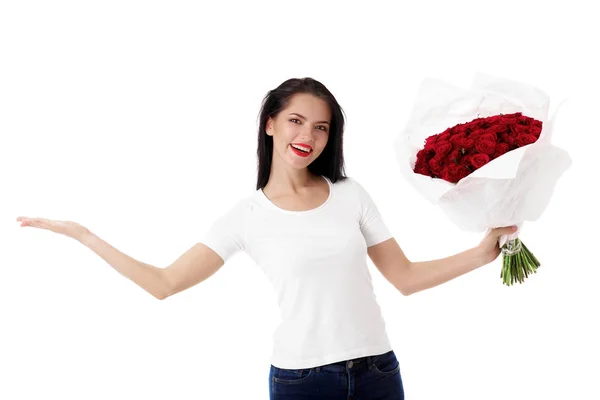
x=35 y=222
x=506 y=230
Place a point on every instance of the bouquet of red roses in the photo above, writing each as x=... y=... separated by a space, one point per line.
x=463 y=148
x=484 y=171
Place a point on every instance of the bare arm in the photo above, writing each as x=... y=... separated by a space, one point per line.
x=412 y=277
x=148 y=277
x=191 y=268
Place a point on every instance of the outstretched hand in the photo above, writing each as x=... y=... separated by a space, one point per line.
x=489 y=246
x=67 y=228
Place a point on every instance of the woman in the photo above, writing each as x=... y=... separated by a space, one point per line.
x=310 y=229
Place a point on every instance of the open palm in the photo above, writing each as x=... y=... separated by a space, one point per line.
x=67 y=228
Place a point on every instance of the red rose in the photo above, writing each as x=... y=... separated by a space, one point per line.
x=454 y=156
x=509 y=119
x=430 y=141
x=476 y=124
x=479 y=160
x=496 y=128
x=421 y=166
x=423 y=169
x=461 y=172
x=442 y=147
x=457 y=137
x=435 y=164
x=524 y=119
x=466 y=143
x=476 y=134
x=536 y=129
x=446 y=135
x=524 y=139
x=465 y=161
x=508 y=139
x=519 y=128
x=501 y=148
x=444 y=172
x=460 y=128
x=494 y=119
x=454 y=173
x=489 y=136
x=485 y=146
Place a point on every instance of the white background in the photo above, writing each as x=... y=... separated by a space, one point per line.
x=139 y=121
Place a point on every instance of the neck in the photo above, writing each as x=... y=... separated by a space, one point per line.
x=286 y=179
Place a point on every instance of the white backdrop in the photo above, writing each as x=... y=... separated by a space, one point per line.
x=139 y=121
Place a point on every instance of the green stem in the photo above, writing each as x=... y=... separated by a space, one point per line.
x=508 y=270
x=520 y=267
x=535 y=260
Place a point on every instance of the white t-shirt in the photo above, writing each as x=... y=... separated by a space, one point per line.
x=317 y=263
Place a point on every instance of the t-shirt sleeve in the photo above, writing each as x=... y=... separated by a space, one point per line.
x=372 y=225
x=227 y=235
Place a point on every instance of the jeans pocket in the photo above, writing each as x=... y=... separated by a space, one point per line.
x=386 y=364
x=291 y=376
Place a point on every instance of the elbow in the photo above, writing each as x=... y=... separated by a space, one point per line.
x=161 y=297
x=404 y=288
x=405 y=291
x=166 y=287
x=405 y=284
x=164 y=294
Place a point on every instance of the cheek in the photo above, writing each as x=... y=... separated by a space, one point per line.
x=323 y=140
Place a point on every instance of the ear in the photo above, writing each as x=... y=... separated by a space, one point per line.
x=269 y=127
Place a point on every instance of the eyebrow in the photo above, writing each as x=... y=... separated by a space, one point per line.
x=319 y=122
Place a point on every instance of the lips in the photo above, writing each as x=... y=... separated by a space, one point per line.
x=303 y=145
x=300 y=152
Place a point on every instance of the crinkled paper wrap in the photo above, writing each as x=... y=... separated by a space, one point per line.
x=510 y=189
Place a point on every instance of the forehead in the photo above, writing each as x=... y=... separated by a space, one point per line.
x=309 y=106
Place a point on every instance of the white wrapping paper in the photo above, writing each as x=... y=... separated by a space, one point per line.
x=509 y=190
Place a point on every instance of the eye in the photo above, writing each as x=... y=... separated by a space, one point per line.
x=320 y=126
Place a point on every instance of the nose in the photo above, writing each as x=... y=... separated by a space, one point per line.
x=307 y=135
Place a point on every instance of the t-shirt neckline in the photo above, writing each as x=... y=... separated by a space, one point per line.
x=273 y=205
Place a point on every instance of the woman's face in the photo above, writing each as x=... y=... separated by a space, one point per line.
x=304 y=123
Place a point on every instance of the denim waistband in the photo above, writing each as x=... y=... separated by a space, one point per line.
x=354 y=363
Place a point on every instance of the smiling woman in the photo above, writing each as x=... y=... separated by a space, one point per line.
x=310 y=228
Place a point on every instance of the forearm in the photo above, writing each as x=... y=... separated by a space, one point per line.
x=427 y=274
x=146 y=276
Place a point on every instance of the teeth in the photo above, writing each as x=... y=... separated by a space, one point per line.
x=300 y=148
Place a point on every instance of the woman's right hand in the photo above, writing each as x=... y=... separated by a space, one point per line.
x=67 y=228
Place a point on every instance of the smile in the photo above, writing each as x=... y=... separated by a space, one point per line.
x=299 y=152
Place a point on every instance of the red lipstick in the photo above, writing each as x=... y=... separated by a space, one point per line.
x=300 y=152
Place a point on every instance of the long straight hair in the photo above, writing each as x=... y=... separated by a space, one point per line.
x=330 y=162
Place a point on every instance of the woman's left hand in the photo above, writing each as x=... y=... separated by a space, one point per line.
x=489 y=247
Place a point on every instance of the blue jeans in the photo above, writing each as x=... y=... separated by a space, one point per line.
x=374 y=377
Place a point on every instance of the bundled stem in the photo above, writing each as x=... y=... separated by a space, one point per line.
x=517 y=262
